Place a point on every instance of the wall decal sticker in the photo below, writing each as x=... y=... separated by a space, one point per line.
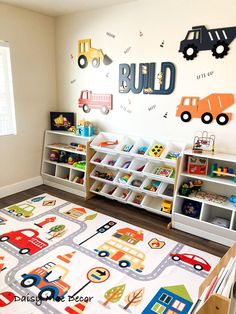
x=107 y=75
x=90 y=100
x=146 y=82
x=110 y=34
x=204 y=75
x=208 y=108
x=125 y=109
x=200 y=38
x=165 y=115
x=140 y=34
x=162 y=44
x=127 y=50
x=73 y=81
x=152 y=107
x=71 y=56
x=86 y=53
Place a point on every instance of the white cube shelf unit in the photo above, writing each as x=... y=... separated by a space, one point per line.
x=125 y=171
x=212 y=195
x=62 y=175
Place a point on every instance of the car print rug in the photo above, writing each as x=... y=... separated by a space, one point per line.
x=59 y=257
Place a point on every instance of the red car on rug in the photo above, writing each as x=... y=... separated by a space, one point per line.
x=25 y=239
x=198 y=262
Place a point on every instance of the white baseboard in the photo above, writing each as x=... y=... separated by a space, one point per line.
x=20 y=186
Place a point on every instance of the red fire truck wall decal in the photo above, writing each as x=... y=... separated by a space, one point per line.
x=25 y=239
x=208 y=108
x=200 y=38
x=90 y=100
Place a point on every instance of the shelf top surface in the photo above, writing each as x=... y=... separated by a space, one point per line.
x=66 y=133
x=216 y=156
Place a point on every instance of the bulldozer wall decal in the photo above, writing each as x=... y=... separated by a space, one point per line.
x=86 y=54
x=200 y=38
x=208 y=108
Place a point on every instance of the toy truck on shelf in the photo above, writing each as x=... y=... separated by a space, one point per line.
x=200 y=38
x=54 y=288
x=88 y=54
x=90 y=100
x=208 y=108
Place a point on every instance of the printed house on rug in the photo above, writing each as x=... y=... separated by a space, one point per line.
x=170 y=300
x=129 y=235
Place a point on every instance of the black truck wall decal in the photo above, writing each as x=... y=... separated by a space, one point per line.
x=200 y=38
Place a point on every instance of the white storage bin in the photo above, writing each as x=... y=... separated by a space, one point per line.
x=109 y=189
x=122 y=178
x=62 y=172
x=136 y=198
x=156 y=149
x=135 y=182
x=152 y=203
x=166 y=190
x=123 y=162
x=121 y=194
x=221 y=216
x=77 y=176
x=97 y=187
x=49 y=168
x=173 y=151
x=103 y=173
x=105 y=141
x=141 y=146
x=137 y=166
x=151 y=186
x=127 y=145
x=110 y=160
x=98 y=158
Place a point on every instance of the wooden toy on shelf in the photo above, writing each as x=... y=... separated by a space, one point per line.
x=197 y=165
x=222 y=171
x=203 y=142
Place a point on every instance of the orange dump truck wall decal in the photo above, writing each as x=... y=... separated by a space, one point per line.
x=208 y=108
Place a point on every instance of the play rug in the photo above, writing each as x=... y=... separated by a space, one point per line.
x=59 y=257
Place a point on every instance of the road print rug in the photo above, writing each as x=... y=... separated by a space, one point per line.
x=58 y=257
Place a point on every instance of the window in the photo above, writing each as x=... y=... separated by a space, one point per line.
x=178 y=305
x=165 y=298
x=158 y=308
x=7 y=107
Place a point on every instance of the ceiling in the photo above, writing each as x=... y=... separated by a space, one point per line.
x=62 y=7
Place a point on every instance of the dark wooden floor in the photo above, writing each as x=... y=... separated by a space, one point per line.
x=133 y=215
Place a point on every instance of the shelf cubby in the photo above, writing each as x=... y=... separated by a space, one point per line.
x=136 y=198
x=108 y=189
x=97 y=158
x=123 y=162
x=212 y=212
x=61 y=174
x=121 y=194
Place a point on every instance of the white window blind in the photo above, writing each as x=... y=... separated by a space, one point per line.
x=7 y=106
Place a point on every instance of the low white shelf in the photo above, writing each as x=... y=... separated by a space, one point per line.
x=112 y=165
x=63 y=175
x=218 y=206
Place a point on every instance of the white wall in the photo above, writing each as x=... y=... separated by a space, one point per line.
x=158 y=20
x=32 y=43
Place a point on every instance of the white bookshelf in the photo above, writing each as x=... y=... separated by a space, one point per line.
x=62 y=175
x=141 y=167
x=222 y=185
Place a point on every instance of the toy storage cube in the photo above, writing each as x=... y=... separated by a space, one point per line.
x=151 y=186
x=110 y=160
x=124 y=162
x=121 y=194
x=136 y=181
x=152 y=204
x=97 y=187
x=122 y=178
x=98 y=158
x=138 y=165
x=63 y=172
x=109 y=189
x=136 y=199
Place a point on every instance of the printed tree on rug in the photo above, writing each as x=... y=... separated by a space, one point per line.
x=134 y=298
x=114 y=294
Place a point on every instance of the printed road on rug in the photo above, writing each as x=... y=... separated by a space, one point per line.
x=58 y=257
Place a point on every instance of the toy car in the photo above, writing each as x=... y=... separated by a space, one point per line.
x=198 y=262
